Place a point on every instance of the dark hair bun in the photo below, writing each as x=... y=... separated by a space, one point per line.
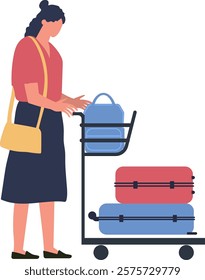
x=43 y=5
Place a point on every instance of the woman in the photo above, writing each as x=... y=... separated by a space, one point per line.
x=39 y=178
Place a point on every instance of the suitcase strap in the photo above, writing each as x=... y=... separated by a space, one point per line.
x=122 y=218
x=170 y=184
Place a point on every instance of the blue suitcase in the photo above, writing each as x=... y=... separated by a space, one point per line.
x=145 y=218
x=100 y=114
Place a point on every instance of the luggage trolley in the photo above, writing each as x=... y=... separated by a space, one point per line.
x=101 y=252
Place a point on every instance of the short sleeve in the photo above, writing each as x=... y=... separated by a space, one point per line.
x=26 y=68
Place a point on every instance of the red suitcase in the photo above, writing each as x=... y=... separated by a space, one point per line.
x=154 y=184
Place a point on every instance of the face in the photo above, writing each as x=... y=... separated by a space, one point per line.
x=53 y=28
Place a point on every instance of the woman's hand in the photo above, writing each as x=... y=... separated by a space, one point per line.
x=77 y=102
x=80 y=103
x=62 y=106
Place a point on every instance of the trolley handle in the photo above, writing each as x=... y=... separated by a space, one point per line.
x=78 y=114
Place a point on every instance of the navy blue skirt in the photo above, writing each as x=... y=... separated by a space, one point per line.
x=29 y=177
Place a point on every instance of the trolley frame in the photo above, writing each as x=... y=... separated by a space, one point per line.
x=186 y=251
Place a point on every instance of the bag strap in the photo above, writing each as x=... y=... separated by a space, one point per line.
x=45 y=71
x=45 y=89
x=11 y=104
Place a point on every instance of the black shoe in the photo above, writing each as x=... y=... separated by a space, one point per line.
x=59 y=255
x=27 y=255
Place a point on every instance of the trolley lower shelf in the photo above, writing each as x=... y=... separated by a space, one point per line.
x=186 y=251
x=145 y=241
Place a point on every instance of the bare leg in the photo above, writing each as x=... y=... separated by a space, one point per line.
x=19 y=226
x=47 y=220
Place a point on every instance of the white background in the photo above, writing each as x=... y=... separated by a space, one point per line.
x=150 y=56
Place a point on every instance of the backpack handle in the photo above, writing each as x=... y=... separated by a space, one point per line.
x=105 y=94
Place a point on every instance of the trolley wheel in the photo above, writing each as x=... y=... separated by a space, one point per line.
x=100 y=252
x=186 y=252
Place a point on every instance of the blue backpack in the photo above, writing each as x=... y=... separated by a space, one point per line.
x=104 y=113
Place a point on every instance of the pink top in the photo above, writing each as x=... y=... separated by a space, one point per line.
x=27 y=68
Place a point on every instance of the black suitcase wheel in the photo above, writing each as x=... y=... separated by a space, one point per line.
x=100 y=252
x=186 y=252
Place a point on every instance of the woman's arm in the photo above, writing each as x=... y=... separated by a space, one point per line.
x=35 y=98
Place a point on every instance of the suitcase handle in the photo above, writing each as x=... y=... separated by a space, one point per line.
x=105 y=94
x=92 y=215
